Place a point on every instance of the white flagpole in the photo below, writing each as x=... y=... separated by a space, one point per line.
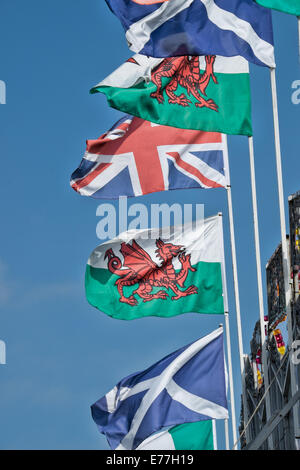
x=235 y=281
x=228 y=344
x=259 y=281
x=215 y=438
x=285 y=258
x=234 y=262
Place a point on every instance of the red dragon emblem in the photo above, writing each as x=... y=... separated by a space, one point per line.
x=139 y=268
x=185 y=71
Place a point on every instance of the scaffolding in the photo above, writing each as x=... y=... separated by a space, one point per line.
x=281 y=431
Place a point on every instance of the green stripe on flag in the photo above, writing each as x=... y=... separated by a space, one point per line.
x=229 y=119
x=286 y=6
x=193 y=436
x=216 y=99
x=102 y=293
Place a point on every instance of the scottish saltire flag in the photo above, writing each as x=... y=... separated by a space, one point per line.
x=187 y=386
x=160 y=272
x=137 y=157
x=287 y=6
x=188 y=436
x=167 y=28
x=210 y=93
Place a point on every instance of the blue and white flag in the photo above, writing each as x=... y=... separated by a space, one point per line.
x=189 y=385
x=167 y=28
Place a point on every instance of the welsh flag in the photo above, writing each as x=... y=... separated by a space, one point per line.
x=208 y=93
x=149 y=272
x=287 y=6
x=187 y=436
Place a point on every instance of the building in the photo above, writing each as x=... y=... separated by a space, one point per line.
x=273 y=414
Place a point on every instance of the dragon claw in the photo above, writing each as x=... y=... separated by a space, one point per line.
x=181 y=100
x=158 y=96
x=130 y=300
x=208 y=104
x=189 y=291
x=162 y=294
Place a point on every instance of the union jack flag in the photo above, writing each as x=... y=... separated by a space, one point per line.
x=137 y=157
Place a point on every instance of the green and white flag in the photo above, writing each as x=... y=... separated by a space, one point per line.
x=146 y=272
x=208 y=93
x=188 y=436
x=287 y=6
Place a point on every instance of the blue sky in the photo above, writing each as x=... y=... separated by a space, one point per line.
x=62 y=354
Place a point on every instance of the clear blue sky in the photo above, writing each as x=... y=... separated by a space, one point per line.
x=62 y=354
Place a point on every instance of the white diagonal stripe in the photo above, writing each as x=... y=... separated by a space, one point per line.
x=160 y=383
x=185 y=152
x=118 y=164
x=140 y=387
x=226 y=20
x=111 y=400
x=139 y=33
x=195 y=403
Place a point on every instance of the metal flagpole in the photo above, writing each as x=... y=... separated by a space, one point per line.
x=285 y=258
x=234 y=262
x=232 y=401
x=259 y=281
x=215 y=439
x=228 y=344
x=235 y=279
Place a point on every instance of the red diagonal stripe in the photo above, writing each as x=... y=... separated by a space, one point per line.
x=191 y=169
x=92 y=175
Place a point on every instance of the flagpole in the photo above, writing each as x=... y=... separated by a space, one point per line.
x=228 y=344
x=236 y=286
x=234 y=265
x=230 y=373
x=215 y=439
x=259 y=281
x=285 y=258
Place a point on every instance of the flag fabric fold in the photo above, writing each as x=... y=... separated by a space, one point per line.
x=148 y=272
x=188 y=385
x=287 y=6
x=208 y=93
x=137 y=157
x=163 y=28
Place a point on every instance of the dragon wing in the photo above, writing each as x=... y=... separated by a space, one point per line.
x=137 y=259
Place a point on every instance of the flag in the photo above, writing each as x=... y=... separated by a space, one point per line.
x=202 y=93
x=188 y=436
x=198 y=27
x=287 y=6
x=138 y=157
x=188 y=385
x=148 y=272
